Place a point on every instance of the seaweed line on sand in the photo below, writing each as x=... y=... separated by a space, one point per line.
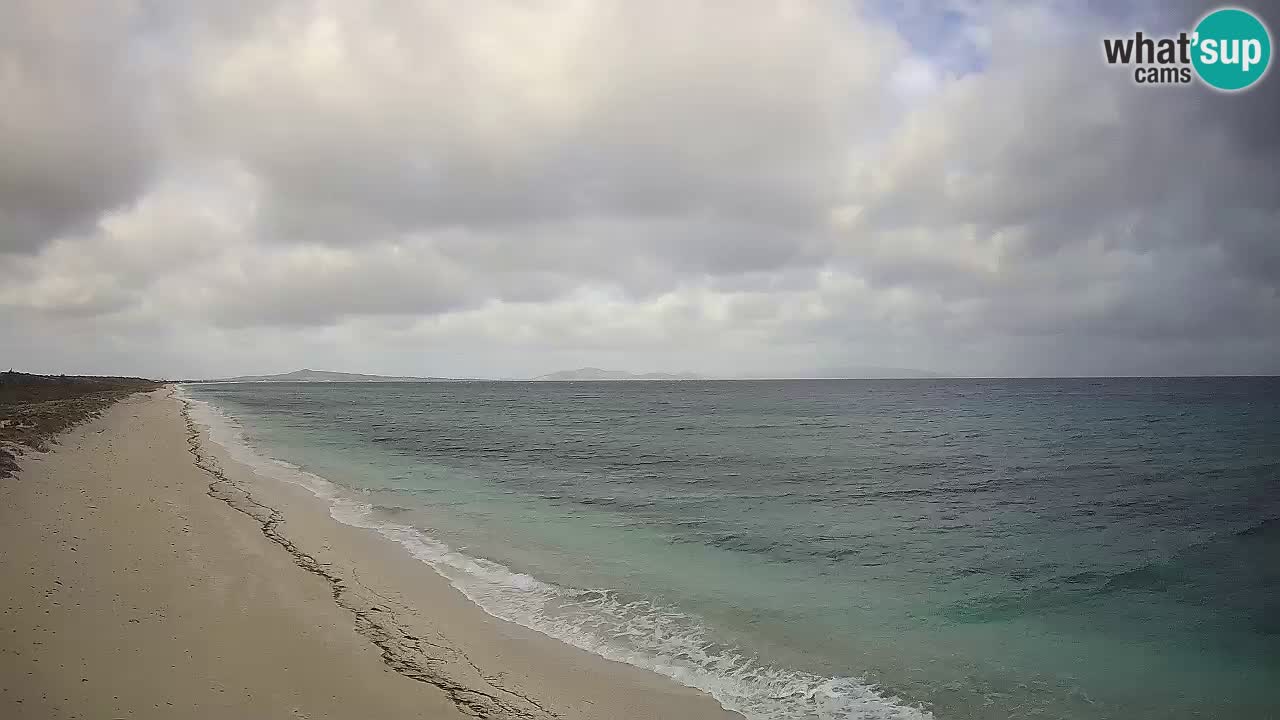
x=402 y=651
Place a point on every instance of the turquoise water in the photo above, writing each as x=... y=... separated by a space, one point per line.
x=839 y=549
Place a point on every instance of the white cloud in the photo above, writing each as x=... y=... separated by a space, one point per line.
x=427 y=187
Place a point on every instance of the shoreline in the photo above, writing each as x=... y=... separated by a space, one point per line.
x=357 y=625
x=386 y=587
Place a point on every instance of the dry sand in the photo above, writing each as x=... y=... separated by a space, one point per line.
x=145 y=574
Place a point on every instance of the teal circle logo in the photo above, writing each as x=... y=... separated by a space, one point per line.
x=1231 y=49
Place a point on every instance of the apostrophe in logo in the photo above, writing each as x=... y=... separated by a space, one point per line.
x=1229 y=50
x=1232 y=49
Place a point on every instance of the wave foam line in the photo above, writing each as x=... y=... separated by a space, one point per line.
x=637 y=632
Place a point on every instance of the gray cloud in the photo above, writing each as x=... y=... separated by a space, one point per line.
x=424 y=187
x=363 y=121
x=74 y=141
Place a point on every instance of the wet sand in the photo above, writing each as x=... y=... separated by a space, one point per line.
x=145 y=574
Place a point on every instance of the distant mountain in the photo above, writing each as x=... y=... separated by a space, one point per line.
x=872 y=372
x=856 y=372
x=583 y=374
x=590 y=373
x=308 y=375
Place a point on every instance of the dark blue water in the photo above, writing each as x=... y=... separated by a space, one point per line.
x=971 y=548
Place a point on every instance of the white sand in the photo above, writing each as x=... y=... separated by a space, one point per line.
x=130 y=588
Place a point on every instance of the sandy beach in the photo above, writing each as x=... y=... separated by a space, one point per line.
x=148 y=575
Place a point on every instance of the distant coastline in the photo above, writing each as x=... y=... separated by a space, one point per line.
x=597 y=374
x=308 y=375
x=583 y=374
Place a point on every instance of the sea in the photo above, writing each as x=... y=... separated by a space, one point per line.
x=833 y=549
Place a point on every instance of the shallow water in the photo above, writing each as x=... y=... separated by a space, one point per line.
x=836 y=549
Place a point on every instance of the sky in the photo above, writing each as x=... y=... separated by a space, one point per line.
x=511 y=187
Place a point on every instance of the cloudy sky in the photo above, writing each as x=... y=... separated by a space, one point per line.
x=511 y=187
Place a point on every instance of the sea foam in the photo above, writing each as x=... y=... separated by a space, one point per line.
x=638 y=632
